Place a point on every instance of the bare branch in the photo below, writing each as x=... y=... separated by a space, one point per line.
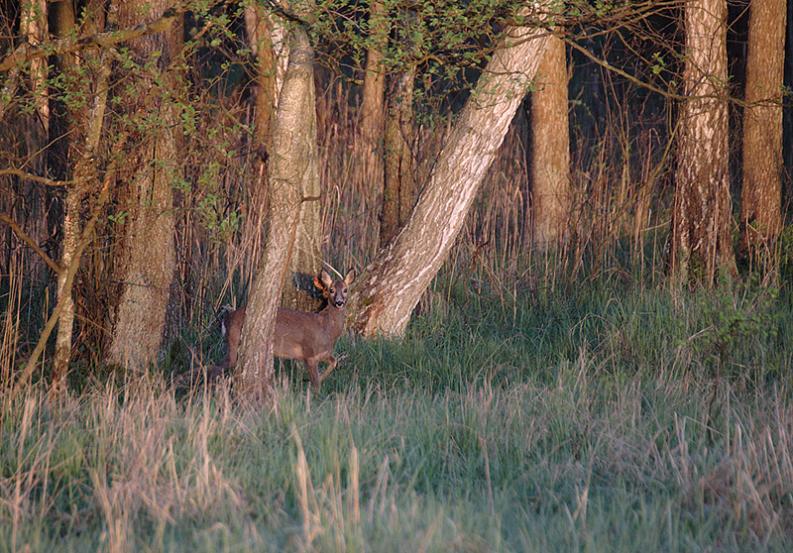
x=35 y=178
x=71 y=270
x=26 y=52
x=22 y=235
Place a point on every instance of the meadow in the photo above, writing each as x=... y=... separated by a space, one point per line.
x=600 y=417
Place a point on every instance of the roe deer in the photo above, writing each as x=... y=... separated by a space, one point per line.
x=308 y=337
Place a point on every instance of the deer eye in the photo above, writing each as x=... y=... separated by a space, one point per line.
x=332 y=290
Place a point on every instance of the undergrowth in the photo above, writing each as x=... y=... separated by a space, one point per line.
x=601 y=419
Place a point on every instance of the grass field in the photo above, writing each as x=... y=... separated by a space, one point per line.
x=605 y=418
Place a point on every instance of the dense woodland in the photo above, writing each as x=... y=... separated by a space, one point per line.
x=556 y=211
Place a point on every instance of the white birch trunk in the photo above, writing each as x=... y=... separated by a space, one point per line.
x=391 y=286
x=294 y=142
x=702 y=218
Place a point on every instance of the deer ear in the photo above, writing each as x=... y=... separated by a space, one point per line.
x=350 y=277
x=318 y=284
x=327 y=282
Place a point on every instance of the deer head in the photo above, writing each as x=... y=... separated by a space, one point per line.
x=334 y=291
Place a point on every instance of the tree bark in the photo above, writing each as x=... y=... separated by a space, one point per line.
x=372 y=116
x=149 y=257
x=268 y=39
x=33 y=26
x=550 y=148
x=305 y=260
x=258 y=30
x=391 y=286
x=85 y=127
x=266 y=32
x=293 y=144
x=761 y=204
x=399 y=190
x=702 y=217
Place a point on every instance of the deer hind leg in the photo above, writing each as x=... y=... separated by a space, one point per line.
x=329 y=369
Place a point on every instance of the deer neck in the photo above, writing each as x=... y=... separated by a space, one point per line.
x=335 y=317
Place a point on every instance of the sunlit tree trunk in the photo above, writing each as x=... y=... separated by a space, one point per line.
x=292 y=157
x=305 y=259
x=702 y=217
x=761 y=212
x=148 y=257
x=372 y=115
x=266 y=33
x=550 y=151
x=85 y=127
x=391 y=286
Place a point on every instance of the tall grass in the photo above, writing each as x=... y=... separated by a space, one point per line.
x=586 y=420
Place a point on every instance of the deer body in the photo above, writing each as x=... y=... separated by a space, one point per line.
x=307 y=337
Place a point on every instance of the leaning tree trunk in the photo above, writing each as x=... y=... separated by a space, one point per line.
x=550 y=148
x=148 y=258
x=702 y=217
x=391 y=286
x=761 y=203
x=85 y=128
x=293 y=145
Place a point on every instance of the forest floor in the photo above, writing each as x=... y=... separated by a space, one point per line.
x=606 y=418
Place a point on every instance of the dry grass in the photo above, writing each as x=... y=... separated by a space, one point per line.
x=584 y=423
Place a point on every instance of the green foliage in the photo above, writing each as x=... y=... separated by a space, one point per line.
x=731 y=321
x=786 y=253
x=118 y=218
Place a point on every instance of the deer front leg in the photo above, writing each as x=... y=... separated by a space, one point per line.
x=329 y=369
x=311 y=365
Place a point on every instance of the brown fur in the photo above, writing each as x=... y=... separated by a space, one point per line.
x=308 y=337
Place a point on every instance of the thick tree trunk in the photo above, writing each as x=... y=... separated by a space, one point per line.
x=391 y=286
x=267 y=34
x=293 y=145
x=279 y=39
x=149 y=255
x=258 y=30
x=305 y=259
x=85 y=127
x=702 y=217
x=761 y=209
x=399 y=191
x=372 y=116
x=306 y=256
x=550 y=151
